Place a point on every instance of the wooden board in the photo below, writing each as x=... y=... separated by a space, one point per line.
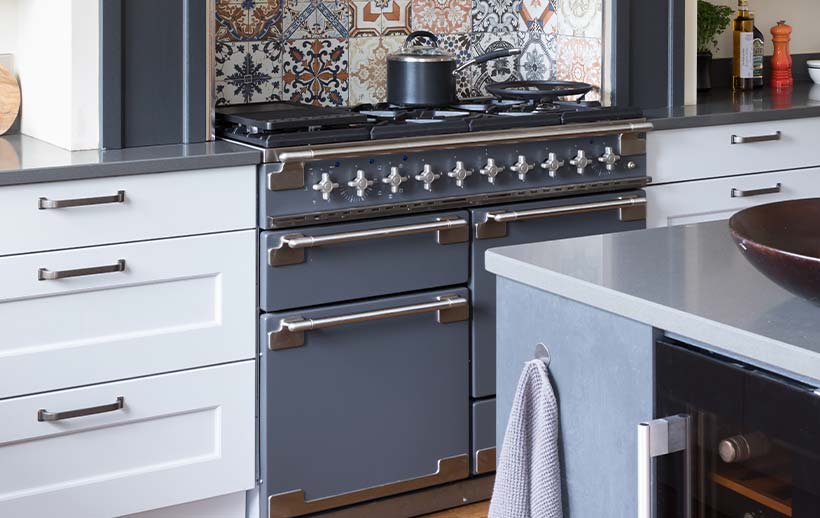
x=9 y=99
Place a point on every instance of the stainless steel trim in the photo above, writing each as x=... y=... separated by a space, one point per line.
x=44 y=274
x=740 y=193
x=210 y=60
x=291 y=331
x=45 y=203
x=737 y=139
x=656 y=439
x=485 y=461
x=290 y=249
x=495 y=223
x=44 y=415
x=293 y=503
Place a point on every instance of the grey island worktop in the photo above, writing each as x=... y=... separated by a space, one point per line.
x=27 y=160
x=688 y=281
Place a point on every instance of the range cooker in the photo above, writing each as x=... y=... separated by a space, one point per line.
x=377 y=321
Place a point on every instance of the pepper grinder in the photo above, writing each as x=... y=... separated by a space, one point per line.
x=782 y=60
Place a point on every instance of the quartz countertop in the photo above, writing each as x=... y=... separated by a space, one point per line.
x=27 y=160
x=722 y=106
x=690 y=281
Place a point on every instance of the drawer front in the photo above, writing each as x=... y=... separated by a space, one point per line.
x=483 y=437
x=149 y=206
x=364 y=409
x=710 y=200
x=177 y=438
x=176 y=304
x=689 y=154
x=331 y=263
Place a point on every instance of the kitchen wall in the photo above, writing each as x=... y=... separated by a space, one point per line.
x=332 y=52
x=8 y=26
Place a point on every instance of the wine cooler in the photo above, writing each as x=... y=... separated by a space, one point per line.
x=736 y=441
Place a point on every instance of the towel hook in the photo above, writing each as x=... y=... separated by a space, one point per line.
x=542 y=353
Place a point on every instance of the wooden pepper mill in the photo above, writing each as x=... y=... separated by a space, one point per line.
x=782 y=60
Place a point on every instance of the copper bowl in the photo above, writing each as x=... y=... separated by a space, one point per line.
x=782 y=240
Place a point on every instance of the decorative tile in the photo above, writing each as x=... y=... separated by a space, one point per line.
x=247 y=20
x=538 y=15
x=494 y=15
x=537 y=60
x=581 y=18
x=315 y=19
x=498 y=70
x=368 y=68
x=442 y=16
x=579 y=59
x=248 y=71
x=316 y=72
x=379 y=17
x=459 y=46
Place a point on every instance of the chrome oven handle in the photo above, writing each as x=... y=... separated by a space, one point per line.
x=44 y=274
x=737 y=139
x=291 y=331
x=656 y=439
x=45 y=203
x=44 y=415
x=495 y=224
x=740 y=193
x=290 y=249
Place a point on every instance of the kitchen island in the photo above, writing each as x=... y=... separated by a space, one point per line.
x=602 y=303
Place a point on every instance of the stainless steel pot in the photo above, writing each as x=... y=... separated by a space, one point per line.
x=425 y=75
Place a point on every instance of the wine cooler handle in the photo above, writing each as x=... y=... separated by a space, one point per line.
x=656 y=439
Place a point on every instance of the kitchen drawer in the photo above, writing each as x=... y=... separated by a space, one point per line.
x=151 y=206
x=331 y=263
x=720 y=198
x=178 y=303
x=483 y=436
x=176 y=438
x=689 y=154
x=365 y=408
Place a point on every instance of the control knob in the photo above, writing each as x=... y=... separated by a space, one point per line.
x=522 y=167
x=427 y=176
x=394 y=179
x=460 y=173
x=609 y=158
x=552 y=164
x=491 y=170
x=325 y=186
x=581 y=161
x=360 y=183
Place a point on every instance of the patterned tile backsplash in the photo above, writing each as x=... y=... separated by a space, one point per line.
x=333 y=52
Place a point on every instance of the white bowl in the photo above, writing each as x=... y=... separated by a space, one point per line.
x=814 y=73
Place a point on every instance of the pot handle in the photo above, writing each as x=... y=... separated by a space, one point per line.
x=421 y=34
x=496 y=54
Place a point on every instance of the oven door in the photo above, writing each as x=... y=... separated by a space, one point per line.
x=531 y=222
x=754 y=449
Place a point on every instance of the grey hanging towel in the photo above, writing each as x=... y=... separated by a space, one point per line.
x=528 y=478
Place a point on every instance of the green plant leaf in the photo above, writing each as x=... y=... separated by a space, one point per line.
x=712 y=21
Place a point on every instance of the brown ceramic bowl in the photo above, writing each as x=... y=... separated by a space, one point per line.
x=782 y=240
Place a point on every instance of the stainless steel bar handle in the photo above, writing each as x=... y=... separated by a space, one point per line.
x=44 y=274
x=737 y=139
x=45 y=415
x=520 y=215
x=45 y=203
x=656 y=439
x=361 y=235
x=310 y=324
x=740 y=193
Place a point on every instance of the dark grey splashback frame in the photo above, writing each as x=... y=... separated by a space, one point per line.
x=155 y=72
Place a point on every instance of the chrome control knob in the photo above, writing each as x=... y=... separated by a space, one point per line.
x=394 y=179
x=581 y=161
x=552 y=164
x=609 y=158
x=491 y=170
x=460 y=173
x=325 y=186
x=427 y=176
x=360 y=183
x=522 y=167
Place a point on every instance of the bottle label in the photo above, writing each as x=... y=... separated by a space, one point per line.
x=747 y=55
x=758 y=61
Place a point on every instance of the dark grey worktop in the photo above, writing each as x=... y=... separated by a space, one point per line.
x=722 y=106
x=27 y=160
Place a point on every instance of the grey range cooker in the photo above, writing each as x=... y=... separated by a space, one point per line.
x=377 y=318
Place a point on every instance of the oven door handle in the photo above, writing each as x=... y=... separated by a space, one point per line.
x=658 y=438
x=291 y=247
x=291 y=331
x=495 y=223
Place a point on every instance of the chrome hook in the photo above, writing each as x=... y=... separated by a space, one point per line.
x=543 y=353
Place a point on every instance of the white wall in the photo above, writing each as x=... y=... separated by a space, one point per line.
x=8 y=26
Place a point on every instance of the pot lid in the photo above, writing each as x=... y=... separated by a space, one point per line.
x=421 y=46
